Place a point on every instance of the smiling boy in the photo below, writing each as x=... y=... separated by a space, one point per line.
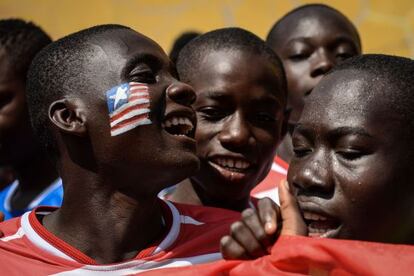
x=106 y=104
x=241 y=96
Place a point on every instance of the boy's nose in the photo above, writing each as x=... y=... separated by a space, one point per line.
x=314 y=178
x=323 y=64
x=181 y=93
x=236 y=133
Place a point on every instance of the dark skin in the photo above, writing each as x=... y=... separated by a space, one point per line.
x=341 y=149
x=119 y=170
x=18 y=146
x=241 y=119
x=343 y=142
x=310 y=43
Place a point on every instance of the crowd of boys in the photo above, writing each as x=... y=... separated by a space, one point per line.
x=126 y=162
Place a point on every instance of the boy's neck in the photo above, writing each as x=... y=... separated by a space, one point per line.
x=105 y=224
x=188 y=192
x=184 y=193
x=229 y=203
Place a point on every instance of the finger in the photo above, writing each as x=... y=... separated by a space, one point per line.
x=254 y=224
x=241 y=233
x=293 y=223
x=1 y=216
x=231 y=250
x=269 y=213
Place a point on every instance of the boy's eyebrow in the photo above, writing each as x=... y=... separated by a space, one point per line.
x=343 y=39
x=216 y=95
x=336 y=133
x=336 y=40
x=303 y=130
x=220 y=96
x=149 y=59
x=342 y=131
x=267 y=100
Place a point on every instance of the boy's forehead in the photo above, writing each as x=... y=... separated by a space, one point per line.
x=345 y=92
x=314 y=22
x=125 y=42
x=228 y=65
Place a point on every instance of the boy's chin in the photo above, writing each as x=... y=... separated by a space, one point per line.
x=187 y=166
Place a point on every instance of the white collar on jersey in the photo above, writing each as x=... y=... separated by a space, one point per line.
x=171 y=237
x=35 y=202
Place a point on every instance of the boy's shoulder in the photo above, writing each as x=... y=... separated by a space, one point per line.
x=19 y=257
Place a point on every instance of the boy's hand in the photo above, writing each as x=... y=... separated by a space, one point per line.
x=253 y=235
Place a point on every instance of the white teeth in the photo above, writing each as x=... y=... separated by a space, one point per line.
x=313 y=216
x=184 y=123
x=232 y=163
x=175 y=121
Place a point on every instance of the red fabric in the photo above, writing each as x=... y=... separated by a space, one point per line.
x=193 y=237
x=315 y=256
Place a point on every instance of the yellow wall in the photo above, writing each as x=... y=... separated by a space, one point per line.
x=386 y=26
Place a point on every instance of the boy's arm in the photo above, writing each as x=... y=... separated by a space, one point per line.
x=253 y=235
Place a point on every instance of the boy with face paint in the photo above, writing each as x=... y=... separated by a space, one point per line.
x=356 y=126
x=105 y=101
x=310 y=40
x=241 y=96
x=37 y=180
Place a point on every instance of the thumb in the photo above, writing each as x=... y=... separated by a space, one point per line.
x=293 y=223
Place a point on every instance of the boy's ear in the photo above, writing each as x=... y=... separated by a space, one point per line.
x=68 y=116
x=285 y=124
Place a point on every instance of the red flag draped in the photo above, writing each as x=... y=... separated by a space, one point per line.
x=314 y=256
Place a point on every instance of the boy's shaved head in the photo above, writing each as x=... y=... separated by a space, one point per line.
x=387 y=79
x=232 y=39
x=21 y=41
x=278 y=30
x=61 y=70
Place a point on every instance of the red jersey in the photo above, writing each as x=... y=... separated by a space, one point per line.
x=268 y=187
x=314 y=256
x=193 y=238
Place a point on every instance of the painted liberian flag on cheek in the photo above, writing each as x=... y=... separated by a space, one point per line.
x=129 y=107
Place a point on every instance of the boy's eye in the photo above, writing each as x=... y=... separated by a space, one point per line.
x=301 y=145
x=265 y=117
x=301 y=151
x=146 y=76
x=299 y=56
x=351 y=154
x=343 y=56
x=212 y=113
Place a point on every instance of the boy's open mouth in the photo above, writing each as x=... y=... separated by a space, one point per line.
x=321 y=225
x=230 y=167
x=178 y=125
